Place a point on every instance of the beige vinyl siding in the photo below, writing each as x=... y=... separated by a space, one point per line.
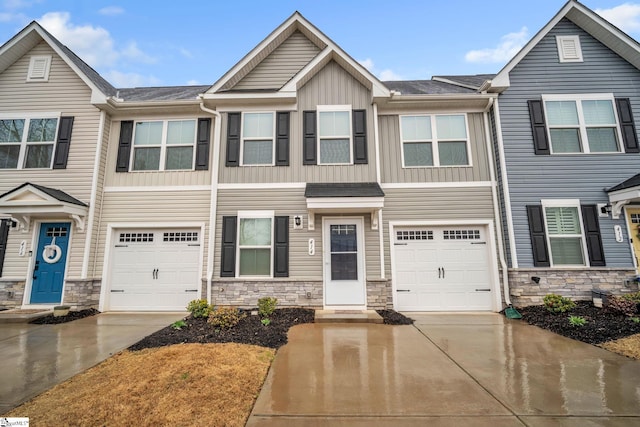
x=281 y=65
x=167 y=207
x=67 y=94
x=331 y=86
x=391 y=155
x=291 y=202
x=151 y=178
x=434 y=204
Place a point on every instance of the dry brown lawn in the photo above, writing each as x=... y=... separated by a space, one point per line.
x=178 y=385
x=629 y=346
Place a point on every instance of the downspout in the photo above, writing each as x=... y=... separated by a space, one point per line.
x=376 y=139
x=92 y=199
x=214 y=194
x=496 y=206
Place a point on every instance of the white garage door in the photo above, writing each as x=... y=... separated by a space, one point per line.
x=155 y=270
x=442 y=269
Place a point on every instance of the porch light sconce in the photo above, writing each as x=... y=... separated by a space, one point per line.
x=535 y=279
x=605 y=209
x=297 y=222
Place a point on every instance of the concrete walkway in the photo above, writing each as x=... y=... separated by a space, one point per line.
x=447 y=370
x=34 y=358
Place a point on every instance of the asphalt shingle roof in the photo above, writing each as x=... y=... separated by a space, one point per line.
x=344 y=189
x=165 y=93
x=634 y=181
x=426 y=87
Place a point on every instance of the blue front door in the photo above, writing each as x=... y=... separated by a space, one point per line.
x=51 y=258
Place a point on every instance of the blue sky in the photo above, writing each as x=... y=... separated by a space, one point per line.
x=165 y=43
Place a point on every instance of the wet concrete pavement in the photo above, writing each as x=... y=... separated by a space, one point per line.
x=447 y=370
x=34 y=358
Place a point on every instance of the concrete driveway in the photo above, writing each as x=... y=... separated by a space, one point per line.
x=34 y=358
x=447 y=370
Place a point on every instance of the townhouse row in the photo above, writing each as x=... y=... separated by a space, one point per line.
x=300 y=175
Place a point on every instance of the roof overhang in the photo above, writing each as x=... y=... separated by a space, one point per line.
x=473 y=102
x=620 y=198
x=28 y=201
x=344 y=198
x=117 y=107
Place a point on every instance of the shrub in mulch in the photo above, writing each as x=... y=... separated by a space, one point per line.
x=392 y=317
x=602 y=325
x=73 y=315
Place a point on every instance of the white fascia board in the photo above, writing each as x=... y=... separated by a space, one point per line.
x=344 y=204
x=623 y=195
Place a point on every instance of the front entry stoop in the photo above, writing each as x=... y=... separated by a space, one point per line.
x=22 y=316
x=347 y=316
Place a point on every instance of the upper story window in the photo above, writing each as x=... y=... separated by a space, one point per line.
x=258 y=139
x=27 y=143
x=164 y=145
x=334 y=134
x=434 y=140
x=569 y=49
x=39 y=67
x=582 y=124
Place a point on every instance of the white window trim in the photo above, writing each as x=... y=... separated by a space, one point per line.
x=330 y=109
x=565 y=203
x=23 y=144
x=434 y=141
x=254 y=215
x=163 y=145
x=273 y=139
x=584 y=140
x=561 y=53
x=47 y=68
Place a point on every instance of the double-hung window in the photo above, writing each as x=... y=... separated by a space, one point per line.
x=334 y=134
x=434 y=140
x=582 y=124
x=164 y=145
x=255 y=242
x=564 y=231
x=27 y=143
x=257 y=138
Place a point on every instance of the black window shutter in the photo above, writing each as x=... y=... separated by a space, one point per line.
x=202 y=144
x=4 y=237
x=360 y=136
x=309 y=150
x=627 y=125
x=539 y=127
x=538 y=236
x=281 y=247
x=282 y=138
x=124 y=146
x=63 y=143
x=233 y=139
x=228 y=261
x=592 y=235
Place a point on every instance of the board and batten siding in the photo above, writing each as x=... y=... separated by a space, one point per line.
x=67 y=94
x=167 y=207
x=331 y=86
x=281 y=65
x=291 y=202
x=151 y=178
x=434 y=204
x=391 y=155
x=568 y=176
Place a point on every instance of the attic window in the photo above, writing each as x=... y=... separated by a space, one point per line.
x=569 y=48
x=39 y=69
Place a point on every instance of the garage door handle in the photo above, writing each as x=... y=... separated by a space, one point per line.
x=403 y=290
x=117 y=290
x=191 y=290
x=483 y=290
x=478 y=243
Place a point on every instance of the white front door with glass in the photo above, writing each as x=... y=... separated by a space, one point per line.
x=344 y=272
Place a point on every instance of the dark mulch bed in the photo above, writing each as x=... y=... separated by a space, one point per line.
x=248 y=331
x=392 y=317
x=73 y=315
x=602 y=324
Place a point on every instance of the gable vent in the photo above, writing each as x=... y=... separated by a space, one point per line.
x=39 y=68
x=569 y=49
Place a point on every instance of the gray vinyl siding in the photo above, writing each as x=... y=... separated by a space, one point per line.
x=331 y=86
x=434 y=204
x=391 y=155
x=291 y=202
x=67 y=94
x=281 y=65
x=531 y=177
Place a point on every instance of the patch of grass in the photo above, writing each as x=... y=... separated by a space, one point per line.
x=194 y=384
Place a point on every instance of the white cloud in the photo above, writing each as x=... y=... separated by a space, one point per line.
x=389 y=75
x=119 y=79
x=383 y=75
x=111 y=11
x=625 y=16
x=133 y=52
x=193 y=82
x=367 y=63
x=186 y=53
x=509 y=45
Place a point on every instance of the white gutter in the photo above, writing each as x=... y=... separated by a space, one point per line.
x=214 y=194
x=505 y=186
x=92 y=198
x=376 y=139
x=496 y=209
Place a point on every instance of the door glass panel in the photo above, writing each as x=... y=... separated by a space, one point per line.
x=344 y=252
